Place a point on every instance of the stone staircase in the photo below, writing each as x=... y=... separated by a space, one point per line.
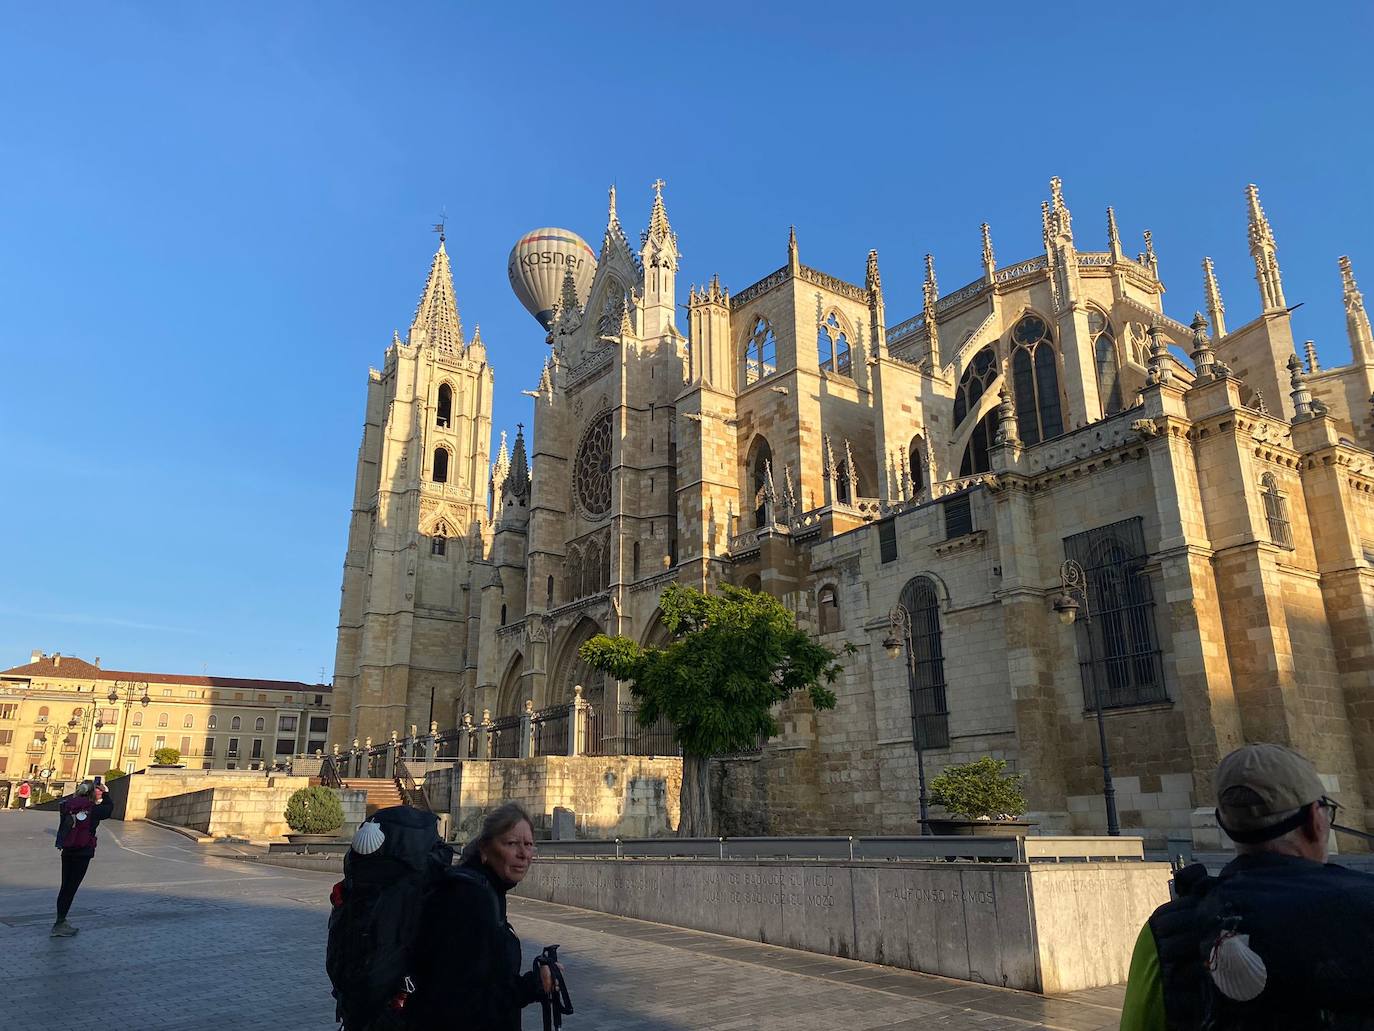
x=381 y=792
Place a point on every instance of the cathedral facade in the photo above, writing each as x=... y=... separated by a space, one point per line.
x=922 y=482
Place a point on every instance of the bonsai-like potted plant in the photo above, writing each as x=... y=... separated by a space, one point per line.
x=983 y=799
x=167 y=757
x=315 y=816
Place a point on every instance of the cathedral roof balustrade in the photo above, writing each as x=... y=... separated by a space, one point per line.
x=511 y=629
x=836 y=286
x=592 y=366
x=650 y=582
x=589 y=602
x=769 y=282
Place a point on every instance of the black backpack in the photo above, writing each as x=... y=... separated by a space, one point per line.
x=378 y=911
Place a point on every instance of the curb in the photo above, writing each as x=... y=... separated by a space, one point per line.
x=303 y=861
x=185 y=832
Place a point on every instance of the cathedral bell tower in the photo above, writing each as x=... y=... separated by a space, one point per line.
x=419 y=513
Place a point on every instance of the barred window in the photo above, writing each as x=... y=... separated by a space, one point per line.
x=1118 y=647
x=887 y=540
x=1276 y=512
x=926 y=663
x=958 y=516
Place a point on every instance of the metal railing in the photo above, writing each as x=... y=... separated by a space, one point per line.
x=617 y=732
x=413 y=794
x=505 y=737
x=549 y=728
x=329 y=773
x=928 y=848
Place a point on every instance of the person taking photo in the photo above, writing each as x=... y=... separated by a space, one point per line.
x=80 y=815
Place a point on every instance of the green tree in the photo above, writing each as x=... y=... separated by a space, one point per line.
x=114 y=773
x=734 y=655
x=314 y=810
x=980 y=790
x=166 y=757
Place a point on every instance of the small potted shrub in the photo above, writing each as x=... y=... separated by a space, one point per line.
x=315 y=815
x=166 y=757
x=982 y=799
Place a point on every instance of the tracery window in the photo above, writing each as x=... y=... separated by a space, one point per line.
x=443 y=415
x=438 y=543
x=592 y=468
x=612 y=310
x=917 y=467
x=1276 y=512
x=829 y=605
x=572 y=574
x=763 y=457
x=1108 y=368
x=976 y=452
x=760 y=352
x=978 y=376
x=832 y=346
x=926 y=663
x=441 y=465
x=1035 y=381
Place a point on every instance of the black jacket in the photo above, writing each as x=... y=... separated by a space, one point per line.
x=468 y=973
x=100 y=811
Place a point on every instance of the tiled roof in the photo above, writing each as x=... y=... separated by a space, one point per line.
x=72 y=668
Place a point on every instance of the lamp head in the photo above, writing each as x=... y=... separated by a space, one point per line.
x=893 y=646
x=113 y=696
x=144 y=700
x=1066 y=605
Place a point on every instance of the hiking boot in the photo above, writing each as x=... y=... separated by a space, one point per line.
x=62 y=929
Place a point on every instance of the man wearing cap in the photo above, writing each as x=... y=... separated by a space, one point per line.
x=1280 y=939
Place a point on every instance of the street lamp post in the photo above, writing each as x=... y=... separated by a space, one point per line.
x=85 y=725
x=899 y=639
x=1074 y=585
x=126 y=690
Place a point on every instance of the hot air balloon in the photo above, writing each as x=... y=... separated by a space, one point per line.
x=538 y=263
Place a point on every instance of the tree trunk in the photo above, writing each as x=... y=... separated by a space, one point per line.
x=695 y=819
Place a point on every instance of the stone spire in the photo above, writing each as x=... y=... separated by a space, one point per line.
x=1113 y=236
x=1302 y=397
x=989 y=259
x=1148 y=258
x=1061 y=222
x=517 y=482
x=436 y=322
x=659 y=229
x=793 y=260
x=1204 y=358
x=500 y=470
x=614 y=237
x=1309 y=350
x=1356 y=318
x=877 y=310
x=931 y=294
x=1216 y=311
x=1266 y=254
x=568 y=315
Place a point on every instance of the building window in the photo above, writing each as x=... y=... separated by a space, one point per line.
x=759 y=466
x=285 y=745
x=166 y=692
x=209 y=746
x=188 y=721
x=8 y=710
x=916 y=455
x=592 y=467
x=136 y=719
x=162 y=719
x=192 y=694
x=832 y=346
x=42 y=715
x=6 y=736
x=548 y=599
x=233 y=751
x=438 y=543
x=315 y=747
x=926 y=663
x=845 y=485
x=235 y=723
x=108 y=715
x=131 y=745
x=1108 y=368
x=979 y=375
x=441 y=465
x=829 y=605
x=185 y=748
x=958 y=516
x=887 y=540
x=319 y=699
x=1276 y=512
x=262 y=698
x=257 y=748
x=760 y=352
x=159 y=742
x=444 y=414
x=211 y=721
x=503 y=615
x=260 y=724
x=634 y=561
x=1035 y=381
x=104 y=742
x=319 y=724
x=286 y=724
x=1125 y=658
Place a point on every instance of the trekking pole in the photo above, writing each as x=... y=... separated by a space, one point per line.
x=558 y=1002
x=1352 y=832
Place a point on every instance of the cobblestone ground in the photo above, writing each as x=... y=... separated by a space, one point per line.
x=179 y=936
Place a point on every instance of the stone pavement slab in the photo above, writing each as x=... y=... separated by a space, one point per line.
x=177 y=935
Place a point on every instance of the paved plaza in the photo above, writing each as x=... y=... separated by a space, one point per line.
x=176 y=935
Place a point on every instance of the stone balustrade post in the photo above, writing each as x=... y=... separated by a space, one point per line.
x=527 y=730
x=431 y=746
x=392 y=751
x=484 y=735
x=577 y=723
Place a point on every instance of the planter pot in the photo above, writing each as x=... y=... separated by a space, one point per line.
x=313 y=839
x=982 y=828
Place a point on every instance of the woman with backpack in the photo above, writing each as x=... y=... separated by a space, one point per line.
x=468 y=972
x=80 y=814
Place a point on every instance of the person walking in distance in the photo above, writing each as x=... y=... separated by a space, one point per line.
x=25 y=794
x=1281 y=938
x=80 y=815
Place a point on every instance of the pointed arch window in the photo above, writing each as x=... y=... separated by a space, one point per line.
x=829 y=604
x=832 y=346
x=443 y=415
x=1035 y=381
x=1276 y=512
x=916 y=468
x=572 y=574
x=441 y=465
x=438 y=543
x=548 y=600
x=978 y=375
x=612 y=310
x=634 y=568
x=1108 y=366
x=976 y=455
x=926 y=663
x=760 y=352
x=758 y=480
x=845 y=485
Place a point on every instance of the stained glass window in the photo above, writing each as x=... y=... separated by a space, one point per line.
x=592 y=469
x=832 y=346
x=760 y=352
x=1035 y=381
x=1104 y=354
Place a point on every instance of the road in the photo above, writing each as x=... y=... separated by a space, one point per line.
x=177 y=936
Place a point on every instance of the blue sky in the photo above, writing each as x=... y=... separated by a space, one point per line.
x=215 y=214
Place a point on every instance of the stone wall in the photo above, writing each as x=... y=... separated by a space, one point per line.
x=1040 y=927
x=613 y=796
x=255 y=813
x=132 y=794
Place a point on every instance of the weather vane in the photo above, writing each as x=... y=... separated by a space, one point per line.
x=439 y=225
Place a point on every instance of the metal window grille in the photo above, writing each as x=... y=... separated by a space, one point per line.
x=958 y=517
x=887 y=540
x=1125 y=663
x=926 y=669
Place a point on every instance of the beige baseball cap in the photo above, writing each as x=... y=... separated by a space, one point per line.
x=1258 y=786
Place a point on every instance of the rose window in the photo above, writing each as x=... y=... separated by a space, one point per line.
x=592 y=469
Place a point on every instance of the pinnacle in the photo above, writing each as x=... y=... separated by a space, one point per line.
x=436 y=316
x=659 y=227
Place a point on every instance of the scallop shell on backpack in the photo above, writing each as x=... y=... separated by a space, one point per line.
x=368 y=839
x=1237 y=970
